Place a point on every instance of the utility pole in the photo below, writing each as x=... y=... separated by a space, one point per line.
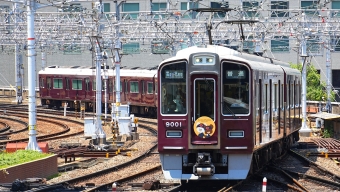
x=305 y=130
x=18 y=61
x=99 y=59
x=328 y=106
x=31 y=55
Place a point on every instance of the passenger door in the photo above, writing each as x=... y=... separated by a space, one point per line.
x=204 y=113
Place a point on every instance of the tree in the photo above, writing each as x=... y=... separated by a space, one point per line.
x=316 y=89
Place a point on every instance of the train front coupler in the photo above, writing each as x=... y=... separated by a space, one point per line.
x=203 y=166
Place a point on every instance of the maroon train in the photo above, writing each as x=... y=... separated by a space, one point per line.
x=76 y=86
x=223 y=114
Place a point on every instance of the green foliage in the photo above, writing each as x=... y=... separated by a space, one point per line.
x=316 y=89
x=20 y=156
x=328 y=131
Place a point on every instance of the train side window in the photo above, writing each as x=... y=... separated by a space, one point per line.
x=296 y=91
x=296 y=97
x=110 y=86
x=143 y=87
x=266 y=99
x=134 y=88
x=291 y=94
x=282 y=96
x=257 y=96
x=150 y=88
x=57 y=83
x=156 y=87
x=103 y=84
x=275 y=97
x=87 y=84
x=67 y=82
x=77 y=84
x=126 y=86
x=121 y=86
x=94 y=85
x=42 y=82
x=48 y=82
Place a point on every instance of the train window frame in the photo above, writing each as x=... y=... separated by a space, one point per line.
x=94 y=85
x=58 y=83
x=134 y=87
x=143 y=87
x=266 y=99
x=173 y=80
x=48 y=82
x=67 y=82
x=121 y=86
x=103 y=84
x=110 y=85
x=42 y=82
x=156 y=87
x=173 y=131
x=77 y=82
x=241 y=107
x=291 y=104
x=149 y=87
x=282 y=96
x=126 y=86
x=200 y=103
x=87 y=84
x=275 y=97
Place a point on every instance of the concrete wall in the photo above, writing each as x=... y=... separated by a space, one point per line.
x=42 y=168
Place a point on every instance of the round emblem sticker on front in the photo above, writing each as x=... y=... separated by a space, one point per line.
x=204 y=127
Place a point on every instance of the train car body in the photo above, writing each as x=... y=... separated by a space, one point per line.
x=222 y=113
x=76 y=86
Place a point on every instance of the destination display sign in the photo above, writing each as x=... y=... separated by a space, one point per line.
x=235 y=74
x=174 y=74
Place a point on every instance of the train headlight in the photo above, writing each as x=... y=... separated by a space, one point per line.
x=236 y=133
x=210 y=60
x=174 y=133
x=204 y=60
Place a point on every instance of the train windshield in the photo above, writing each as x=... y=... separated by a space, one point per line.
x=235 y=89
x=173 y=89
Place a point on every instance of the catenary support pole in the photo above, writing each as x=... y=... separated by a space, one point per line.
x=18 y=61
x=31 y=56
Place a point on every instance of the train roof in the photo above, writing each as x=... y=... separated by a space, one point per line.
x=89 y=71
x=226 y=52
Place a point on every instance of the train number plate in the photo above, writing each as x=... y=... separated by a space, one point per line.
x=174 y=123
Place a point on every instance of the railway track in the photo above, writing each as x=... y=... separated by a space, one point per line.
x=152 y=131
x=51 y=136
x=293 y=172
x=82 y=180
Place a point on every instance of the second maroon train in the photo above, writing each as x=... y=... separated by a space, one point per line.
x=76 y=87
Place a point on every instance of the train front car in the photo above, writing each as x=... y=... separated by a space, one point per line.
x=217 y=108
x=204 y=116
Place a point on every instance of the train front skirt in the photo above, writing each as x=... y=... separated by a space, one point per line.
x=238 y=168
